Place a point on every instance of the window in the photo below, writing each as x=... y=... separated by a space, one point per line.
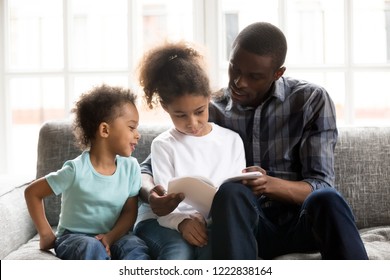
x=53 y=50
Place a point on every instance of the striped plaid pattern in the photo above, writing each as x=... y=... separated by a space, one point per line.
x=292 y=134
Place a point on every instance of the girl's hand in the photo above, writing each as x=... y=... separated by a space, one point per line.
x=194 y=230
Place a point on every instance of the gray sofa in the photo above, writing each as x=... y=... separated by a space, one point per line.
x=362 y=165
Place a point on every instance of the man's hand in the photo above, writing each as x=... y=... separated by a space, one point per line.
x=162 y=203
x=294 y=192
x=258 y=186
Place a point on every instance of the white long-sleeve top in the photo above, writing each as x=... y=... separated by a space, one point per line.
x=216 y=156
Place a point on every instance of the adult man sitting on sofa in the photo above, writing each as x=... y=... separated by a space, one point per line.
x=289 y=129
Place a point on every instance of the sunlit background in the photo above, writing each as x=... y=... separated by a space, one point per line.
x=53 y=50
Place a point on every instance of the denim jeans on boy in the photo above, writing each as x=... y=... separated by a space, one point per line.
x=80 y=246
x=168 y=244
x=245 y=227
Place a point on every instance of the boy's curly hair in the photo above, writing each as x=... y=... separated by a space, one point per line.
x=172 y=70
x=100 y=104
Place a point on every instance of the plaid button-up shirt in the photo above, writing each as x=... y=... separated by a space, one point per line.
x=292 y=135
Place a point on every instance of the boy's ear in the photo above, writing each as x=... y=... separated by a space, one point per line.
x=104 y=129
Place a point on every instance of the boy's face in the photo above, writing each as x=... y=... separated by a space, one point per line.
x=251 y=76
x=190 y=114
x=123 y=132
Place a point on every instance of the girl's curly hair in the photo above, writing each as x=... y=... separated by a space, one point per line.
x=100 y=104
x=172 y=70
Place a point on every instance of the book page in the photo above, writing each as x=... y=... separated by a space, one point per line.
x=243 y=176
x=199 y=192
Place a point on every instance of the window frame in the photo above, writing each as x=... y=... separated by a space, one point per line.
x=208 y=24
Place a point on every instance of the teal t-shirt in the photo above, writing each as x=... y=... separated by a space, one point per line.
x=91 y=202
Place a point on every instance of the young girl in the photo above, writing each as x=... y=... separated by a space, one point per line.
x=173 y=75
x=100 y=187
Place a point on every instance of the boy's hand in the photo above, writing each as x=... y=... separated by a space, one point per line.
x=106 y=243
x=46 y=242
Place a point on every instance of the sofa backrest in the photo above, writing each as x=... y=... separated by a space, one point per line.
x=362 y=166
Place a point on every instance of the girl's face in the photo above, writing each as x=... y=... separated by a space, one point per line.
x=123 y=131
x=190 y=114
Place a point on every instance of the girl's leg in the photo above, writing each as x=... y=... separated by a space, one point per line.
x=163 y=243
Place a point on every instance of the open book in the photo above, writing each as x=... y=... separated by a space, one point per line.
x=199 y=191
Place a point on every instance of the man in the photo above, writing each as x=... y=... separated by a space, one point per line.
x=289 y=130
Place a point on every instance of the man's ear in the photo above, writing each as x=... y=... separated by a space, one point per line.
x=104 y=129
x=279 y=73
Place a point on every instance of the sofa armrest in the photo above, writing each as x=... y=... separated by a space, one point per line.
x=16 y=224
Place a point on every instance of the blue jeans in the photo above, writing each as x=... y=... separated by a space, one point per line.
x=80 y=246
x=245 y=227
x=168 y=244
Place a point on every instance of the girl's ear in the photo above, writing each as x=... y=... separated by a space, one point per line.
x=104 y=129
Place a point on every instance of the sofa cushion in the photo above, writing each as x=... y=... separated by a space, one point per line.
x=376 y=240
x=30 y=251
x=362 y=160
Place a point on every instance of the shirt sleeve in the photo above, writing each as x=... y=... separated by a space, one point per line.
x=146 y=166
x=172 y=220
x=135 y=177
x=60 y=180
x=319 y=141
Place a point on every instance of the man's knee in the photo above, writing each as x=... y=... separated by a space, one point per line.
x=328 y=201
x=229 y=192
x=328 y=196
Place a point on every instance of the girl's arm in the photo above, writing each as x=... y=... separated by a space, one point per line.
x=34 y=195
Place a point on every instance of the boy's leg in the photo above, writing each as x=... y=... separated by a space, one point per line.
x=78 y=246
x=129 y=247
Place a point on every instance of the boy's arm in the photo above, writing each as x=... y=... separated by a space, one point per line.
x=124 y=223
x=34 y=195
